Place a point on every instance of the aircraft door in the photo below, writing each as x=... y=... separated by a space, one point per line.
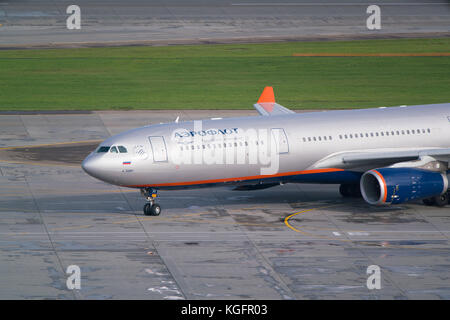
x=280 y=140
x=159 y=148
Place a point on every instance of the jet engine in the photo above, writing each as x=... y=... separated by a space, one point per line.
x=386 y=186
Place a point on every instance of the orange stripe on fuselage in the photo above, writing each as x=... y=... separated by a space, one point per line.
x=384 y=184
x=283 y=174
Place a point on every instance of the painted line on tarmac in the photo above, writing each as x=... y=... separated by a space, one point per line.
x=379 y=243
x=286 y=220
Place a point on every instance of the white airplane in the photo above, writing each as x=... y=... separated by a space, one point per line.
x=386 y=155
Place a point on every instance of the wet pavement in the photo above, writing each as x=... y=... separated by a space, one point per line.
x=287 y=242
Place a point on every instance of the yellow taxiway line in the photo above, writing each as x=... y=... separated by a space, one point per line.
x=356 y=241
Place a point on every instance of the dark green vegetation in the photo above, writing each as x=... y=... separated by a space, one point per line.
x=225 y=76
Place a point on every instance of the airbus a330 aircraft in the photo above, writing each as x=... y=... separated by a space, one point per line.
x=386 y=155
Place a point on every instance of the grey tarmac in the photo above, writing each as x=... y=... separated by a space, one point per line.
x=287 y=242
x=42 y=23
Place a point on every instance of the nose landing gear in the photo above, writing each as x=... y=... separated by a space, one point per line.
x=151 y=208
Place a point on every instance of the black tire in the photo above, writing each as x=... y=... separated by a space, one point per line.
x=147 y=209
x=428 y=201
x=344 y=190
x=350 y=190
x=441 y=201
x=152 y=210
x=355 y=191
x=156 y=209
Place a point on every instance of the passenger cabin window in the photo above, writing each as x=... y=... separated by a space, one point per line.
x=103 y=149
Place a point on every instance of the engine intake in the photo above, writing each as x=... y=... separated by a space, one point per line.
x=386 y=186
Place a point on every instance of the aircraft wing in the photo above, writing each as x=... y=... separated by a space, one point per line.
x=266 y=105
x=374 y=158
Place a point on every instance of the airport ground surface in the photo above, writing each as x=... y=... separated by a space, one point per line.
x=288 y=242
x=43 y=22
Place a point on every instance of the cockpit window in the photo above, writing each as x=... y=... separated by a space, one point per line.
x=122 y=149
x=103 y=149
x=113 y=150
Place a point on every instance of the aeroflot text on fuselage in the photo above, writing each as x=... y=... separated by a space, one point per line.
x=231 y=146
x=203 y=133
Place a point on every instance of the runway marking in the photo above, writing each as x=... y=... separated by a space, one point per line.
x=286 y=220
x=383 y=244
x=429 y=54
x=358 y=233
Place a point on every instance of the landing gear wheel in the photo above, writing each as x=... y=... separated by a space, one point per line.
x=147 y=208
x=343 y=190
x=152 y=209
x=355 y=191
x=155 y=209
x=350 y=190
x=428 y=202
x=442 y=200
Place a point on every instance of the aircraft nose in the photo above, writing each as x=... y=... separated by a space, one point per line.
x=90 y=165
x=98 y=168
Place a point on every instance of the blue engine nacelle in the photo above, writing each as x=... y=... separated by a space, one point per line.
x=386 y=186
